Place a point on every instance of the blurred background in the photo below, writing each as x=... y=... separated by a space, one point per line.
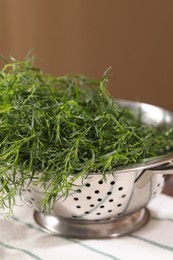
x=87 y=36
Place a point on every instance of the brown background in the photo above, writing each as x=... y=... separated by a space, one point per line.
x=135 y=38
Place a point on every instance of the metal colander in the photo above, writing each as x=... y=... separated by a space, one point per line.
x=111 y=207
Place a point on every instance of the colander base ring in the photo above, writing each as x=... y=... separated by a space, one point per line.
x=92 y=230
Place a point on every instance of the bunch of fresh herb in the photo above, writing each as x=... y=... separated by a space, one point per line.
x=55 y=127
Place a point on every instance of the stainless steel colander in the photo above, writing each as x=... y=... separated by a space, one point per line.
x=112 y=207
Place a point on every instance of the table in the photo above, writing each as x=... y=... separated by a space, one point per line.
x=22 y=239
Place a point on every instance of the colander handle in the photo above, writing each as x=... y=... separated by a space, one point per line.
x=146 y=175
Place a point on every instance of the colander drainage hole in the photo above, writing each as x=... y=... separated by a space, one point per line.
x=111 y=200
x=120 y=188
x=158 y=184
x=102 y=206
x=99 y=199
x=100 y=182
x=88 y=197
x=92 y=205
x=78 y=207
x=109 y=193
x=76 y=198
x=112 y=182
x=88 y=185
x=97 y=191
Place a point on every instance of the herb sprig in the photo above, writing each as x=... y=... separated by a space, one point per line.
x=55 y=127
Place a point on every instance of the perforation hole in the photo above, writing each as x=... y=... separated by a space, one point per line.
x=99 y=203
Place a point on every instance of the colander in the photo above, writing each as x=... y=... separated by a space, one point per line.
x=107 y=208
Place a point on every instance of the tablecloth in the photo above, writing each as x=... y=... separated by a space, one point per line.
x=22 y=239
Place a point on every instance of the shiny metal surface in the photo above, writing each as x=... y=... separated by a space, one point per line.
x=150 y=114
x=125 y=191
x=92 y=230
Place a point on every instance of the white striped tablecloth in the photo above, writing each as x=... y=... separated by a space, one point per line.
x=22 y=239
